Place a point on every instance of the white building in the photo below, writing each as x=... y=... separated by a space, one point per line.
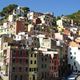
x=30 y=26
x=3 y=30
x=60 y=23
x=46 y=20
x=44 y=42
x=73 y=30
x=33 y=15
x=11 y=18
x=18 y=11
x=74 y=56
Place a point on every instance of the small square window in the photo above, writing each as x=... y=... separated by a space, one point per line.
x=74 y=57
x=78 y=47
x=71 y=57
x=35 y=69
x=54 y=68
x=70 y=53
x=20 y=69
x=75 y=53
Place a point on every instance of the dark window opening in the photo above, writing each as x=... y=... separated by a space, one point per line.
x=31 y=62
x=35 y=62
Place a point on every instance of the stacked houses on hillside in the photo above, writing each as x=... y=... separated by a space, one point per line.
x=33 y=48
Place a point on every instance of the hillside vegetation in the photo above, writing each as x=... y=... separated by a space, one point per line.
x=76 y=17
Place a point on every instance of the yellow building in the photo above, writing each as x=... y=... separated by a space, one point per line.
x=60 y=25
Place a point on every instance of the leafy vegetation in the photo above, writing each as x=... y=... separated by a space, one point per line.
x=25 y=10
x=8 y=10
x=76 y=17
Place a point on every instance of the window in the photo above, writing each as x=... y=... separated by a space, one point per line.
x=35 y=69
x=20 y=77
x=13 y=53
x=56 y=74
x=74 y=57
x=72 y=67
x=42 y=66
x=52 y=67
x=71 y=57
x=30 y=69
x=26 y=69
x=27 y=53
x=78 y=47
x=45 y=74
x=45 y=65
x=74 y=64
x=42 y=59
x=35 y=62
x=54 y=62
x=20 y=53
x=31 y=62
x=75 y=53
x=5 y=45
x=13 y=69
x=20 y=60
x=24 y=45
x=34 y=55
x=13 y=60
x=45 y=59
x=31 y=55
x=26 y=60
x=70 y=53
x=15 y=77
x=20 y=69
x=69 y=48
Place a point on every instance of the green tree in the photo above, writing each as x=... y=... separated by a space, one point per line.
x=76 y=17
x=25 y=10
x=8 y=10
